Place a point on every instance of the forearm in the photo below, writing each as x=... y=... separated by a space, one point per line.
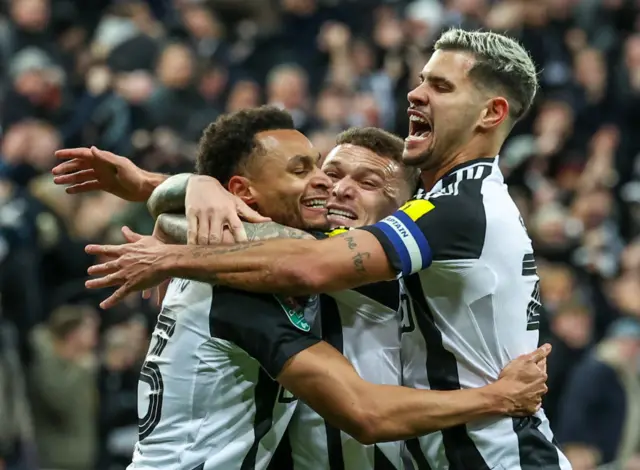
x=175 y=227
x=169 y=195
x=403 y=413
x=292 y=267
x=150 y=182
x=324 y=379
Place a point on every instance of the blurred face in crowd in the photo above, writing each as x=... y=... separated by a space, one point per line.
x=288 y=87
x=286 y=184
x=366 y=187
x=31 y=15
x=176 y=66
x=86 y=334
x=244 y=95
x=444 y=110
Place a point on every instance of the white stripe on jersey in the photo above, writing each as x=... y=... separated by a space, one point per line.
x=368 y=335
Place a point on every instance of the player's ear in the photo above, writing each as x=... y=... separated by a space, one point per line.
x=241 y=187
x=494 y=113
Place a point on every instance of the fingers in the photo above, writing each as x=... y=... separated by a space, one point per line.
x=130 y=235
x=192 y=230
x=80 y=152
x=237 y=230
x=542 y=365
x=94 y=185
x=108 y=250
x=146 y=294
x=248 y=214
x=539 y=354
x=204 y=225
x=71 y=166
x=114 y=279
x=76 y=177
x=103 y=155
x=104 y=268
x=115 y=298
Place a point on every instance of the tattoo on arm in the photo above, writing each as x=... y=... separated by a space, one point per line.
x=357 y=257
x=268 y=230
x=169 y=196
x=175 y=227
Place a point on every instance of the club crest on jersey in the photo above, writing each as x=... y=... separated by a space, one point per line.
x=416 y=208
x=295 y=312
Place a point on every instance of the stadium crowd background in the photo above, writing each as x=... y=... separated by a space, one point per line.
x=143 y=79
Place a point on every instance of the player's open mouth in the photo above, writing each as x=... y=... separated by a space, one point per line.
x=341 y=214
x=419 y=127
x=315 y=203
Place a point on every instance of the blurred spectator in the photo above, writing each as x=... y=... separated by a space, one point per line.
x=16 y=433
x=63 y=388
x=599 y=414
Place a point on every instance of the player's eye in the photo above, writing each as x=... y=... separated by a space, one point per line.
x=332 y=174
x=370 y=184
x=300 y=171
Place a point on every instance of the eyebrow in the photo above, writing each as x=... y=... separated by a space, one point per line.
x=360 y=170
x=306 y=160
x=435 y=78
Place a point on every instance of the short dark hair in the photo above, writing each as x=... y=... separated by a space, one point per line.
x=501 y=63
x=381 y=143
x=66 y=319
x=229 y=142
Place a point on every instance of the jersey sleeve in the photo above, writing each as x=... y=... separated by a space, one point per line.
x=423 y=231
x=269 y=329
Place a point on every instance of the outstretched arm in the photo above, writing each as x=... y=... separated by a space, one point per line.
x=294 y=267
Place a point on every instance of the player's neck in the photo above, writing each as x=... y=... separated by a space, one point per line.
x=476 y=148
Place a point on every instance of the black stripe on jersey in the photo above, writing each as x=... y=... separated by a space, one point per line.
x=442 y=372
x=199 y=467
x=283 y=457
x=380 y=461
x=331 y=325
x=413 y=446
x=386 y=293
x=536 y=452
x=529 y=265
x=265 y=396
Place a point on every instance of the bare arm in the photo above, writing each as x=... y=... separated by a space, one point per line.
x=175 y=227
x=169 y=196
x=372 y=413
x=283 y=266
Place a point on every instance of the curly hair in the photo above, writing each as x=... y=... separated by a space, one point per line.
x=229 y=143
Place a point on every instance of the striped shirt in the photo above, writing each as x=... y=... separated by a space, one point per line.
x=366 y=331
x=206 y=398
x=471 y=286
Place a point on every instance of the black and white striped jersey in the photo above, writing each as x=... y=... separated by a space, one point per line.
x=471 y=289
x=363 y=324
x=206 y=398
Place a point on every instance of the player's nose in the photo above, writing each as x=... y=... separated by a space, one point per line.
x=418 y=96
x=320 y=181
x=343 y=189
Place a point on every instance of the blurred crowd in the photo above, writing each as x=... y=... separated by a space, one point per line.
x=143 y=79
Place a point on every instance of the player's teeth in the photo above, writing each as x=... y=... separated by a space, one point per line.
x=418 y=119
x=341 y=213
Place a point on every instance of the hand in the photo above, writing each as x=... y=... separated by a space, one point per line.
x=97 y=170
x=210 y=209
x=134 y=269
x=522 y=382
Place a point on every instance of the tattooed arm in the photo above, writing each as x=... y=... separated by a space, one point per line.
x=175 y=227
x=283 y=266
x=169 y=196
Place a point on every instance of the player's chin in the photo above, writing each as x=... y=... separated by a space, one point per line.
x=416 y=150
x=315 y=220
